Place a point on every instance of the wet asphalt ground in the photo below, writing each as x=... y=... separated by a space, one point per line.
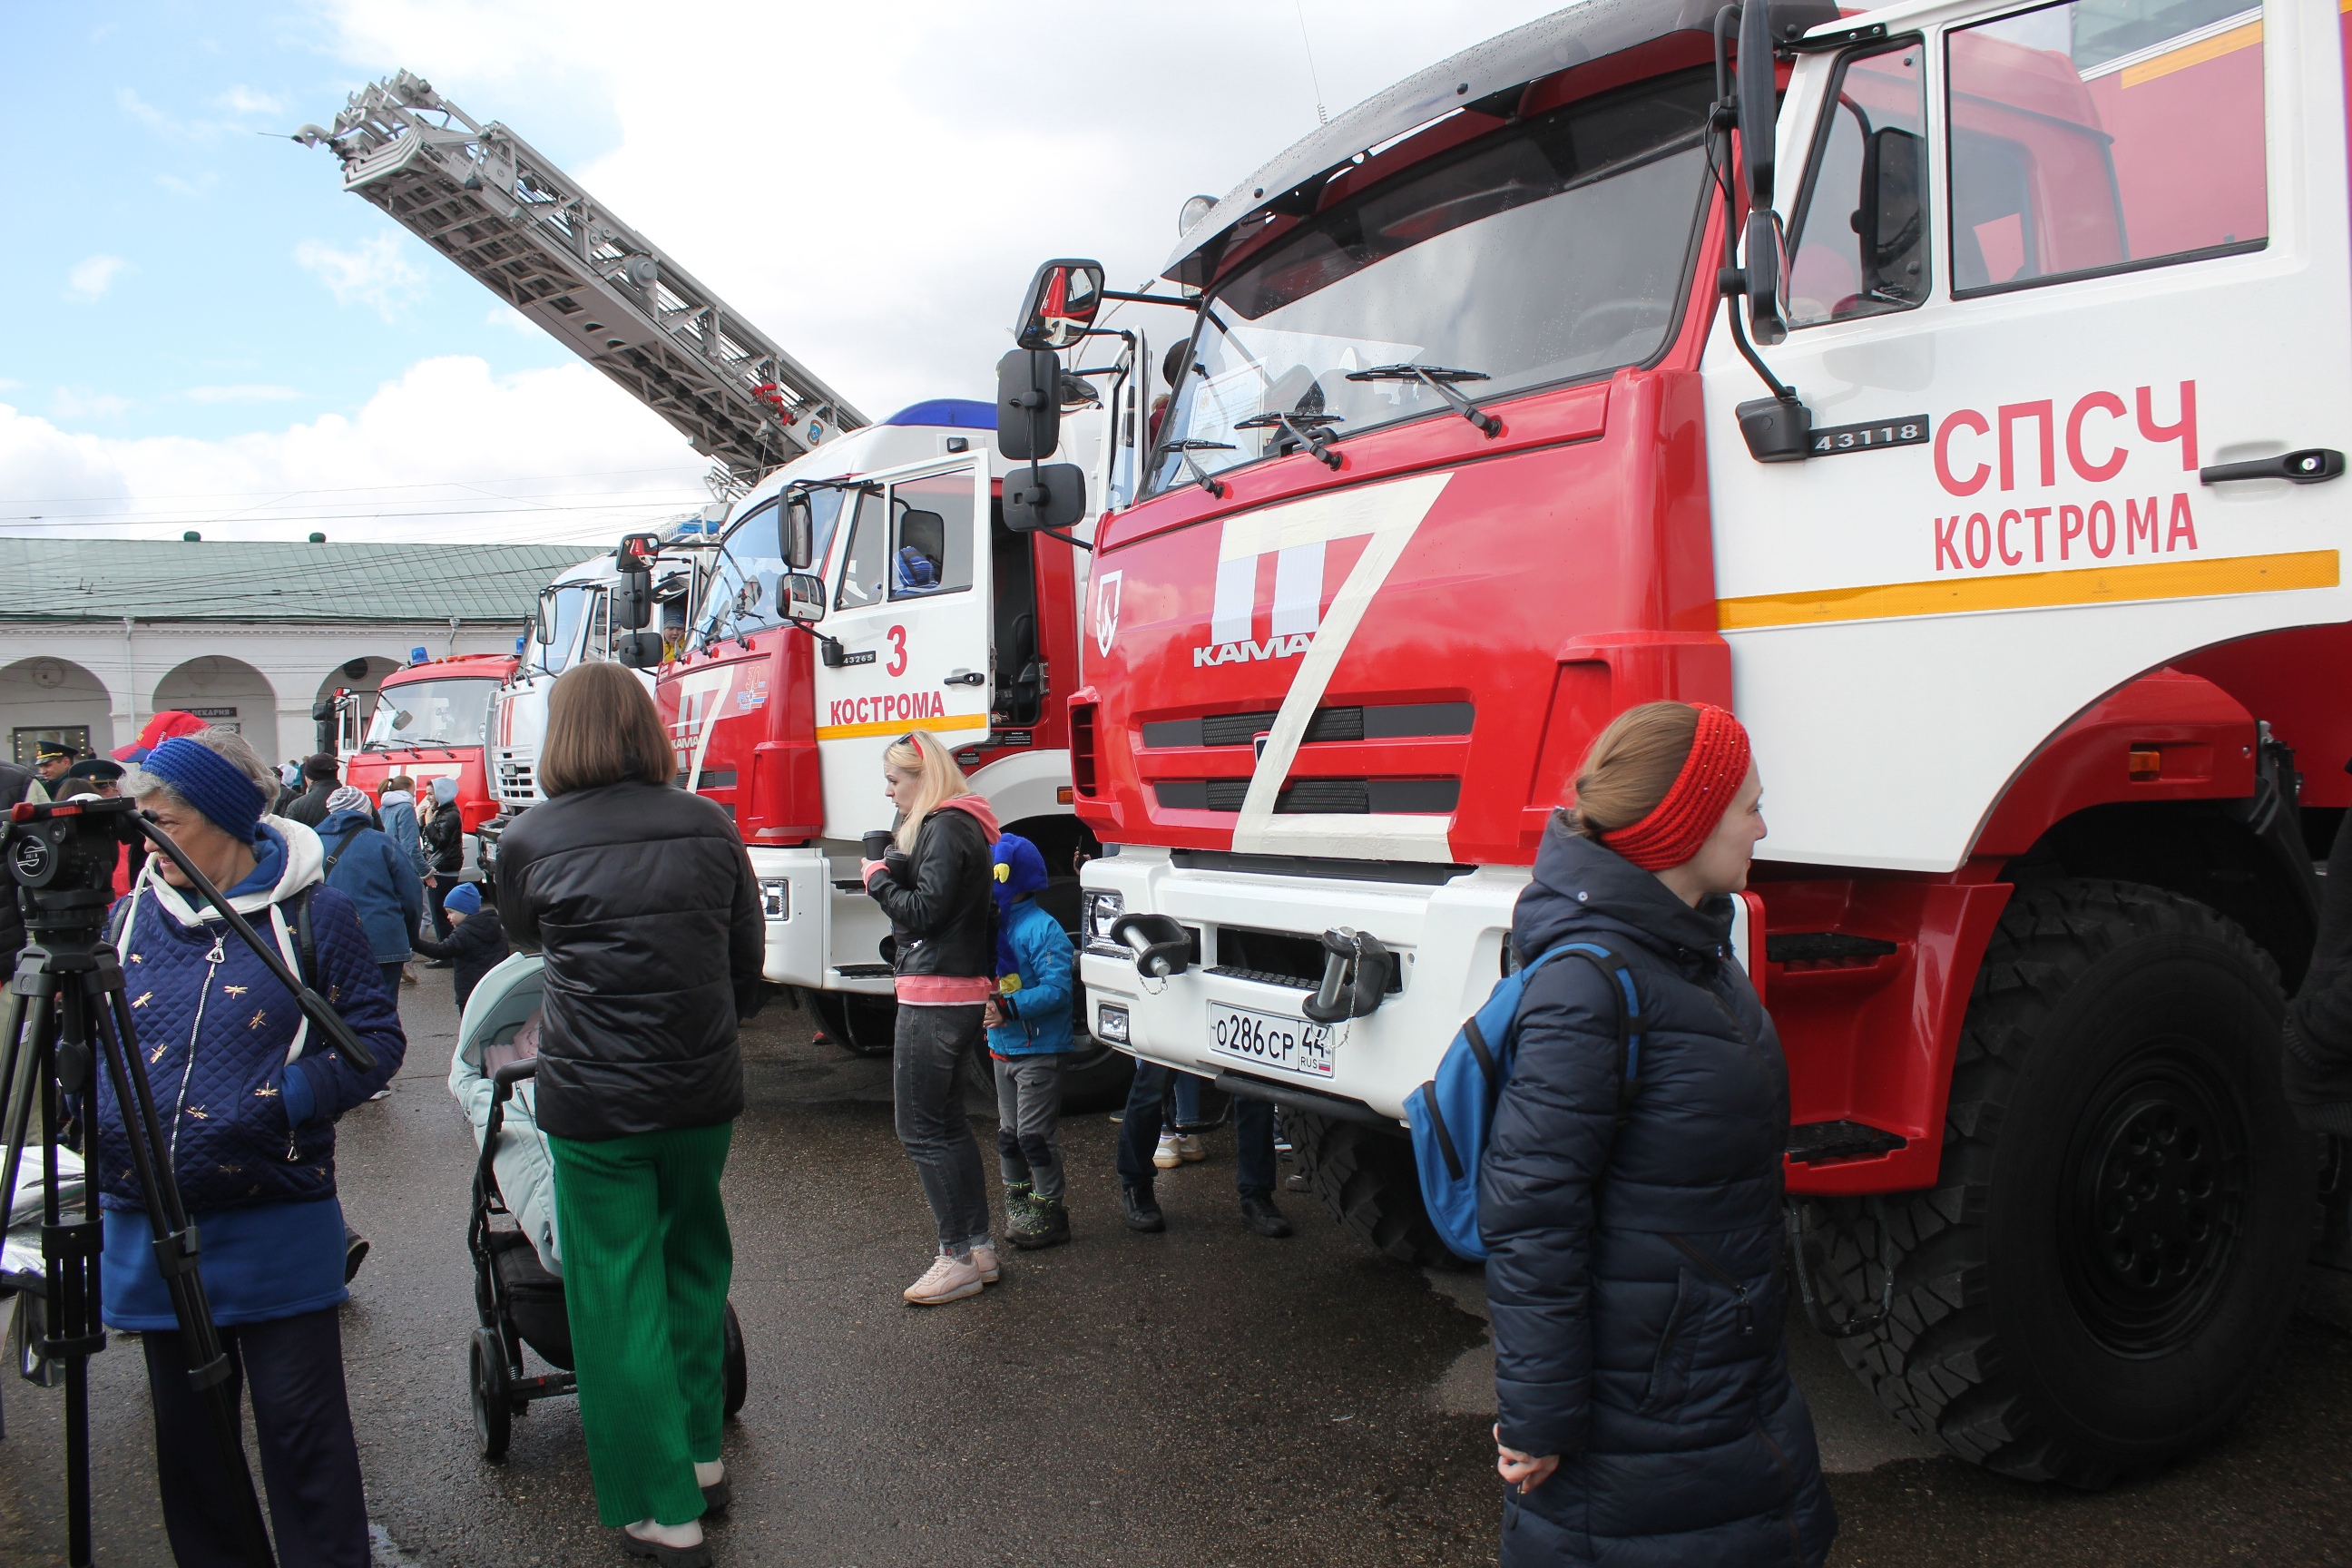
x=1199 y=1398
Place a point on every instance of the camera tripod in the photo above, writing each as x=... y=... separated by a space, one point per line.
x=67 y=1021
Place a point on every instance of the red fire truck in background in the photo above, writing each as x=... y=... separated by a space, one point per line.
x=870 y=588
x=1995 y=502
x=428 y=723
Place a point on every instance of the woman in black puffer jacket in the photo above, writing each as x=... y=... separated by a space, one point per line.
x=937 y=883
x=1635 y=1275
x=644 y=902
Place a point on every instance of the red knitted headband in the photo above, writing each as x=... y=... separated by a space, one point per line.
x=1711 y=775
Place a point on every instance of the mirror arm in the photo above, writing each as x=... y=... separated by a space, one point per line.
x=1150 y=298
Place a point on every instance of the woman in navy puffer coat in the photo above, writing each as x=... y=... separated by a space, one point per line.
x=248 y=1094
x=1647 y=1416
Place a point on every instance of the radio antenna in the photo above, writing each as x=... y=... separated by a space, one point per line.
x=1312 y=76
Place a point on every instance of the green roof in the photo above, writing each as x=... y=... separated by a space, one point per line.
x=171 y=580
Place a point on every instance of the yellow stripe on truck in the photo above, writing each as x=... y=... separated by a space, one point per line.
x=2034 y=590
x=901 y=726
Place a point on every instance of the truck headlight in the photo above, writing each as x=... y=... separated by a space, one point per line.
x=1097 y=910
x=1110 y=1024
x=776 y=900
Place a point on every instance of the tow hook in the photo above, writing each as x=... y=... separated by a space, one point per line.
x=1161 y=947
x=1356 y=970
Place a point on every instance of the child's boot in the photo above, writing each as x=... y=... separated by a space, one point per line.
x=1044 y=1224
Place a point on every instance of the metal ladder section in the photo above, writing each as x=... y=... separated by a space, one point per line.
x=486 y=199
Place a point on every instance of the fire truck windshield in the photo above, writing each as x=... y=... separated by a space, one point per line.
x=448 y=712
x=1556 y=248
x=753 y=550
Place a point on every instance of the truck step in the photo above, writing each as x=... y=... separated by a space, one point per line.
x=1811 y=1142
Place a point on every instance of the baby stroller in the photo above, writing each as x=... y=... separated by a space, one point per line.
x=519 y=1301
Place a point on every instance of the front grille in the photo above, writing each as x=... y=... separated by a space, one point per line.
x=1393 y=721
x=1340 y=797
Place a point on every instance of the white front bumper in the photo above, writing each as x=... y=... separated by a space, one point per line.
x=821 y=928
x=1448 y=941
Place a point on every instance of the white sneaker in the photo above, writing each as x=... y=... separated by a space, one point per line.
x=1169 y=1155
x=1189 y=1145
x=946 y=1280
x=985 y=1259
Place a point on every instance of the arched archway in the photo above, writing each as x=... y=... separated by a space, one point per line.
x=49 y=699
x=225 y=692
x=361 y=675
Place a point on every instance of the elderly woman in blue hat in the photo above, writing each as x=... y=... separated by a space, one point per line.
x=248 y=1094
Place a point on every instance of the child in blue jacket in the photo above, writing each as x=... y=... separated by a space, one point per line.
x=1028 y=1034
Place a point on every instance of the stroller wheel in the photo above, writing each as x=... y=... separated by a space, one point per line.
x=486 y=1379
x=738 y=1372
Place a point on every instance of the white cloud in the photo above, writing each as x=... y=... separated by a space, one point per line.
x=8 y=385
x=146 y=114
x=242 y=99
x=239 y=393
x=374 y=274
x=879 y=216
x=446 y=451
x=512 y=320
x=89 y=279
x=201 y=185
x=80 y=402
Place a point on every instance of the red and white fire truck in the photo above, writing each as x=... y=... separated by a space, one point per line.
x=429 y=723
x=1996 y=502
x=864 y=590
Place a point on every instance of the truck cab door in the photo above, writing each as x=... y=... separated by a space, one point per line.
x=2049 y=270
x=912 y=611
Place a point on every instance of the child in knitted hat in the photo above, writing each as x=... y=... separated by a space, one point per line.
x=1028 y=1034
x=474 y=945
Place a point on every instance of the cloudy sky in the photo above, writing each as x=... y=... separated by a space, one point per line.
x=209 y=333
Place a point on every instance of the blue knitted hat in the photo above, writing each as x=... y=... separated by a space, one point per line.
x=465 y=899
x=210 y=783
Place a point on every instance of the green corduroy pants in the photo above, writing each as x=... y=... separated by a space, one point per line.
x=646 y=1262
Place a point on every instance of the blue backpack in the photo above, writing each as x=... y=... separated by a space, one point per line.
x=1452 y=1112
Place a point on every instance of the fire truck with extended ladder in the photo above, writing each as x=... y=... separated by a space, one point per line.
x=1996 y=499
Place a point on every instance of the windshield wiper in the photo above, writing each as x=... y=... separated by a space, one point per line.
x=1185 y=449
x=1438 y=379
x=1304 y=427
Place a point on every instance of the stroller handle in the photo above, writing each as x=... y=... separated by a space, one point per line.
x=512 y=1073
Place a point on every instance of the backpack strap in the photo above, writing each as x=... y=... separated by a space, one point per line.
x=305 y=948
x=1629 y=1015
x=327 y=869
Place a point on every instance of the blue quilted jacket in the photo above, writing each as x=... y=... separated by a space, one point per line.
x=1634 y=1278
x=247 y=1109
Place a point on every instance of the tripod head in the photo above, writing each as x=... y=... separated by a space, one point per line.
x=63 y=855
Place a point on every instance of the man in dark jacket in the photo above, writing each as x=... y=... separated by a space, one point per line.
x=16 y=784
x=1634 y=1277
x=321 y=778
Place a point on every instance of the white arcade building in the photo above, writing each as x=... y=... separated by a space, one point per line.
x=98 y=635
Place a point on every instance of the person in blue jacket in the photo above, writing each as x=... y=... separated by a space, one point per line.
x=1028 y=1034
x=248 y=1094
x=1646 y=1416
x=363 y=865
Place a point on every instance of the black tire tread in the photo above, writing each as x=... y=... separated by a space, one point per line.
x=1367 y=1179
x=1937 y=1365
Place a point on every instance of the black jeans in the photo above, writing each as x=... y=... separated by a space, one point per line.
x=1139 y=1133
x=932 y=1060
x=303 y=1425
x=442 y=884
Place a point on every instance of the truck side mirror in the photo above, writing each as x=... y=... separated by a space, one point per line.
x=633 y=595
x=1890 y=222
x=542 y=626
x=800 y=530
x=1028 y=403
x=1767 y=251
x=1051 y=497
x=1063 y=300
x=800 y=597
x=637 y=650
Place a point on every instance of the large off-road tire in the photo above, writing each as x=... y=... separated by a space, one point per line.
x=2110 y=1256
x=1367 y=1179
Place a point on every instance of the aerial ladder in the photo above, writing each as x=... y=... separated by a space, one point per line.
x=531 y=234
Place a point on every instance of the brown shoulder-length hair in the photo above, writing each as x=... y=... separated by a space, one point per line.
x=602 y=729
x=1631 y=766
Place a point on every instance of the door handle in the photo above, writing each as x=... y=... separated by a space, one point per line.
x=2309 y=467
x=975 y=677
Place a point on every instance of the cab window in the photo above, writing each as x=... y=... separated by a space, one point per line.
x=862 y=569
x=930 y=535
x=751 y=554
x=1861 y=245
x=2104 y=135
